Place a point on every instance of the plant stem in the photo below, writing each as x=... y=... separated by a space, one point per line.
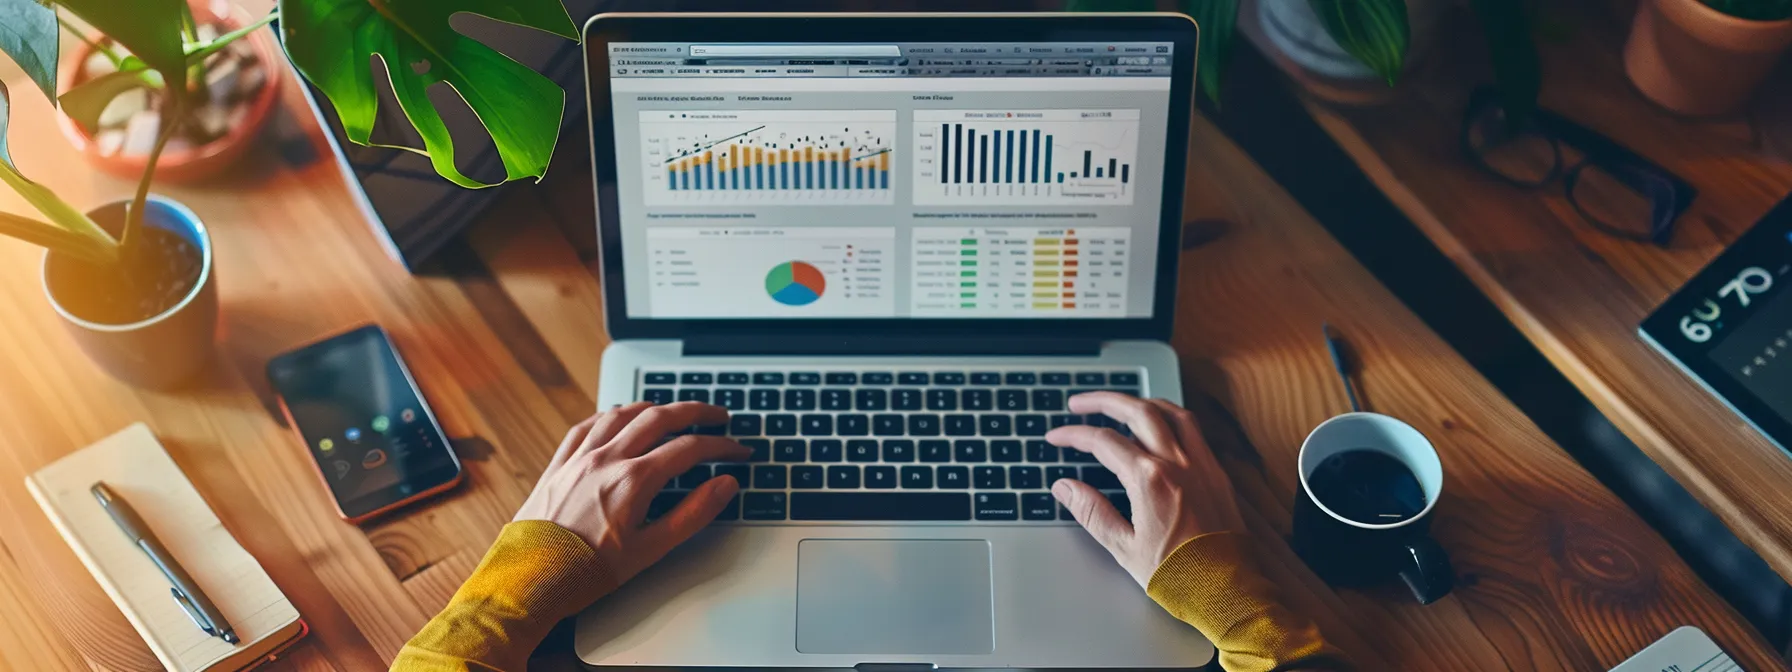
x=99 y=46
x=57 y=239
x=134 y=217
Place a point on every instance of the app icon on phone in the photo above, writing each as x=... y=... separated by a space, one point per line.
x=381 y=423
x=342 y=467
x=407 y=415
x=373 y=458
x=353 y=434
x=326 y=444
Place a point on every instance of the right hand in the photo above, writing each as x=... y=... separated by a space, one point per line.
x=1177 y=488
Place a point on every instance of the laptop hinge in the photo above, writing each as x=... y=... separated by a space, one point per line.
x=885 y=345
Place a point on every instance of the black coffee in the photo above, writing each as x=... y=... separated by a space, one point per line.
x=1367 y=486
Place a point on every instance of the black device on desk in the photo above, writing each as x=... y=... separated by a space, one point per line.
x=376 y=444
x=1730 y=327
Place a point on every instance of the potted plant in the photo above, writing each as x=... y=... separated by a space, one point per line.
x=1705 y=57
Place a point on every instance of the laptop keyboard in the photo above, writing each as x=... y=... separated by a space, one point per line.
x=884 y=445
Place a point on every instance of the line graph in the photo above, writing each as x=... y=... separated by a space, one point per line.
x=769 y=157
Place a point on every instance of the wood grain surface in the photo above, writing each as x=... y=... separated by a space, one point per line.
x=1579 y=294
x=505 y=337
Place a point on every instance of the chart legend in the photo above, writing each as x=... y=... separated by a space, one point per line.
x=768 y=157
x=1026 y=157
x=749 y=272
x=1020 y=272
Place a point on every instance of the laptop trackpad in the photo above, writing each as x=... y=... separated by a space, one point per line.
x=867 y=596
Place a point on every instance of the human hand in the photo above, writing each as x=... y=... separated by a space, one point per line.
x=600 y=481
x=1177 y=489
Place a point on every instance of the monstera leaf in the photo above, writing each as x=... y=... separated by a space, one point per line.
x=29 y=35
x=150 y=29
x=333 y=41
x=1376 y=32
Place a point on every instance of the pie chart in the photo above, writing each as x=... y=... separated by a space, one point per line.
x=795 y=283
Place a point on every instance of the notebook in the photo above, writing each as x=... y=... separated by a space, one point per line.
x=134 y=465
x=1686 y=649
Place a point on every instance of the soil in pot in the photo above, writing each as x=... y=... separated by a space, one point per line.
x=155 y=274
x=129 y=125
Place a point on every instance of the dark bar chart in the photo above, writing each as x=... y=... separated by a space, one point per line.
x=1025 y=157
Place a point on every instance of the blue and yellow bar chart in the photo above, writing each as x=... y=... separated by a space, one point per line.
x=1026 y=157
x=830 y=157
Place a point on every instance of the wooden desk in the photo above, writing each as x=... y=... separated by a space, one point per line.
x=1576 y=293
x=1556 y=574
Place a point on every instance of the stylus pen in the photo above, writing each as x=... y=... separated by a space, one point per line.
x=1336 y=347
x=186 y=592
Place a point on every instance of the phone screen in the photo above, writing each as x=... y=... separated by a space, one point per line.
x=363 y=420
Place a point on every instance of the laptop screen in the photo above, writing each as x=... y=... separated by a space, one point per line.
x=890 y=180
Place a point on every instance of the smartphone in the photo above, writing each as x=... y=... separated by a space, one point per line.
x=376 y=444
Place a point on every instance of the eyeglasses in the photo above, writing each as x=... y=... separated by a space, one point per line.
x=1614 y=190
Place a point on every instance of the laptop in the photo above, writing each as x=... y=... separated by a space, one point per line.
x=892 y=246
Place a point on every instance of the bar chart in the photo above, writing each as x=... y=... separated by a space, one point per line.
x=746 y=272
x=768 y=157
x=1020 y=272
x=1026 y=157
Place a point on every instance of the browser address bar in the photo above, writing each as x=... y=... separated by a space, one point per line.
x=797 y=50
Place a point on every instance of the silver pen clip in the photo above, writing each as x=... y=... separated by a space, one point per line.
x=193 y=612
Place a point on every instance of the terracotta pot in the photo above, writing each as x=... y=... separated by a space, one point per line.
x=213 y=157
x=1695 y=60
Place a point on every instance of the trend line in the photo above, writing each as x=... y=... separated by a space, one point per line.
x=712 y=144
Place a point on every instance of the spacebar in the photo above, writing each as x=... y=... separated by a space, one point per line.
x=880 y=506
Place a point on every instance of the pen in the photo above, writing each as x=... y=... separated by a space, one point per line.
x=1335 y=346
x=186 y=592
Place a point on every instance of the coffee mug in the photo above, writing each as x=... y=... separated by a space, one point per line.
x=1368 y=484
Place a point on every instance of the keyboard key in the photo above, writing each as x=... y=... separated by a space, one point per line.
x=978 y=400
x=942 y=400
x=923 y=424
x=1065 y=514
x=731 y=399
x=1091 y=378
x=1025 y=478
x=780 y=425
x=873 y=399
x=699 y=395
x=799 y=400
x=740 y=472
x=826 y=450
x=762 y=400
x=989 y=478
x=1065 y=420
x=954 y=478
x=1040 y=451
x=1004 y=451
x=852 y=425
x=995 y=425
x=911 y=378
x=1100 y=478
x=818 y=424
x=731 y=378
x=805 y=379
x=761 y=449
x=970 y=450
x=843 y=477
x=806 y=477
x=694 y=477
x=834 y=399
x=1121 y=502
x=744 y=424
x=1079 y=457
x=961 y=425
x=1012 y=400
x=1038 y=506
x=1029 y=425
x=769 y=477
x=998 y=506
x=986 y=378
x=899 y=450
x=663 y=503
x=877 y=379
x=764 y=378
x=1123 y=378
x=659 y=378
x=1048 y=400
x=762 y=506
x=887 y=424
x=710 y=430
x=657 y=395
x=905 y=399
x=948 y=378
x=731 y=511
x=880 y=477
x=695 y=379
x=880 y=506
x=790 y=450
x=1054 y=474
x=842 y=378
x=936 y=451
x=917 y=478
x=1054 y=379
x=862 y=450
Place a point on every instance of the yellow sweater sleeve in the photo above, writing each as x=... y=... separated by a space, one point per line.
x=1207 y=582
x=535 y=574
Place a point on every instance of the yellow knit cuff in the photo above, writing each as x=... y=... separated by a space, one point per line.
x=1207 y=582
x=541 y=569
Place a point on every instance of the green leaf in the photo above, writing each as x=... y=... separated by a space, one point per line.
x=332 y=41
x=1516 y=71
x=71 y=232
x=150 y=29
x=84 y=103
x=1217 y=19
x=28 y=34
x=1374 y=31
x=197 y=51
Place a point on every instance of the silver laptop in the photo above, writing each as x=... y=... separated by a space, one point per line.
x=891 y=245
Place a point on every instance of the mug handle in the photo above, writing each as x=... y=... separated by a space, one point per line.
x=1425 y=568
